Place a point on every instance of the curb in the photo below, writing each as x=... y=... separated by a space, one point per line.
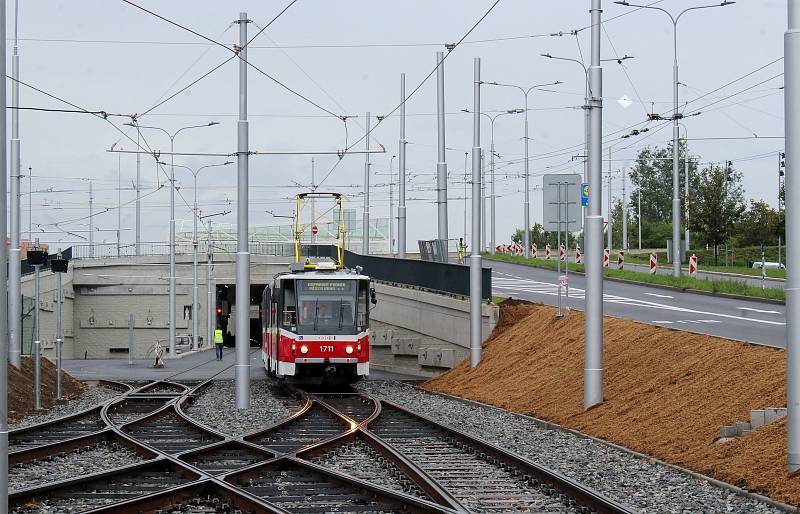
x=659 y=286
x=699 y=476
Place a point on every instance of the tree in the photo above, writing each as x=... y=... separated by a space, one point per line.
x=760 y=223
x=652 y=176
x=718 y=204
x=538 y=235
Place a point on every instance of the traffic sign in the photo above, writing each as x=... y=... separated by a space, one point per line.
x=314 y=230
x=584 y=194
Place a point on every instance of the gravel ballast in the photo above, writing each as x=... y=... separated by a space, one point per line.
x=77 y=463
x=89 y=397
x=635 y=481
x=215 y=407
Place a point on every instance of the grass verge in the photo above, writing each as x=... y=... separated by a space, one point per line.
x=733 y=287
x=741 y=270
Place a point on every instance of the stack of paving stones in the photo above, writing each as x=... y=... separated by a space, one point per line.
x=637 y=482
x=215 y=407
x=89 y=397
x=78 y=463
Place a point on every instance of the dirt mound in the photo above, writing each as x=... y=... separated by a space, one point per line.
x=20 y=388
x=667 y=392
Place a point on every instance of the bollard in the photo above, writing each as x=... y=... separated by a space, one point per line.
x=606 y=257
x=621 y=260
x=562 y=254
x=130 y=340
x=535 y=252
x=693 y=266
x=578 y=255
x=547 y=251
x=653 y=263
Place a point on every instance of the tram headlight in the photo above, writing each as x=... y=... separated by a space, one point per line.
x=304 y=349
x=349 y=349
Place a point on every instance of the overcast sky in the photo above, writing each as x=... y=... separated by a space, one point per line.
x=347 y=57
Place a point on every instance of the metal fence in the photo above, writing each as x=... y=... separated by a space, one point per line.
x=110 y=250
x=434 y=250
x=436 y=276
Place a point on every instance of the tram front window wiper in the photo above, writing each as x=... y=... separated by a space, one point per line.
x=316 y=313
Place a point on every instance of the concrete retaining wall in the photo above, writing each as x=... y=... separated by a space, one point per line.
x=422 y=333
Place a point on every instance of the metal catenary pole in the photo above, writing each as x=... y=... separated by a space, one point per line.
x=526 y=227
x=401 y=190
x=59 y=340
x=242 y=231
x=391 y=208
x=492 y=240
x=475 y=283
x=483 y=201
x=466 y=195
x=195 y=299
x=365 y=220
x=210 y=293
x=91 y=221
x=676 y=180
x=624 y=244
x=172 y=279
x=119 y=204
x=610 y=207
x=593 y=350
x=37 y=342
x=3 y=278
x=791 y=63
x=441 y=164
x=686 y=163
x=138 y=196
x=639 y=220
x=14 y=257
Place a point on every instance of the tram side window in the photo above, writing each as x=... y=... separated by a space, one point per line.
x=363 y=312
x=289 y=306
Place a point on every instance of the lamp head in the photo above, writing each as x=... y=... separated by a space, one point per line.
x=212 y=123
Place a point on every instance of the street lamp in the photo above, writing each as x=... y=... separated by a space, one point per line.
x=171 y=137
x=526 y=227
x=492 y=152
x=195 y=213
x=676 y=186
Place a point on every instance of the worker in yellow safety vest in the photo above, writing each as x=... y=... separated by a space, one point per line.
x=218 y=343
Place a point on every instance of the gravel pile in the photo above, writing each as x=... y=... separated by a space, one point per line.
x=637 y=482
x=77 y=463
x=90 y=396
x=215 y=407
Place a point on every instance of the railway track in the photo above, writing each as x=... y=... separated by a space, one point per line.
x=336 y=452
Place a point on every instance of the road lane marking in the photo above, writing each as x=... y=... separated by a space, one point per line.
x=660 y=295
x=552 y=289
x=758 y=310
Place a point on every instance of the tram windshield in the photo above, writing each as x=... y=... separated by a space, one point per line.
x=326 y=306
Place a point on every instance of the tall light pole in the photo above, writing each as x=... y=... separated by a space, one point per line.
x=791 y=104
x=391 y=207
x=14 y=263
x=686 y=164
x=195 y=217
x=527 y=208
x=441 y=164
x=172 y=136
x=365 y=217
x=492 y=119
x=676 y=116
x=401 y=183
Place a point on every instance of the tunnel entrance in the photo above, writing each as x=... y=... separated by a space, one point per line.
x=226 y=313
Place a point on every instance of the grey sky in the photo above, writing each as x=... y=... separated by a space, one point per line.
x=715 y=46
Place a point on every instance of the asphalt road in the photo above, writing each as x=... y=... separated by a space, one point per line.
x=753 y=322
x=752 y=280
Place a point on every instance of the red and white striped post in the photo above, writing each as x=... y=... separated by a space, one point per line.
x=621 y=260
x=562 y=254
x=693 y=266
x=547 y=251
x=653 y=263
x=606 y=256
x=578 y=255
x=534 y=251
